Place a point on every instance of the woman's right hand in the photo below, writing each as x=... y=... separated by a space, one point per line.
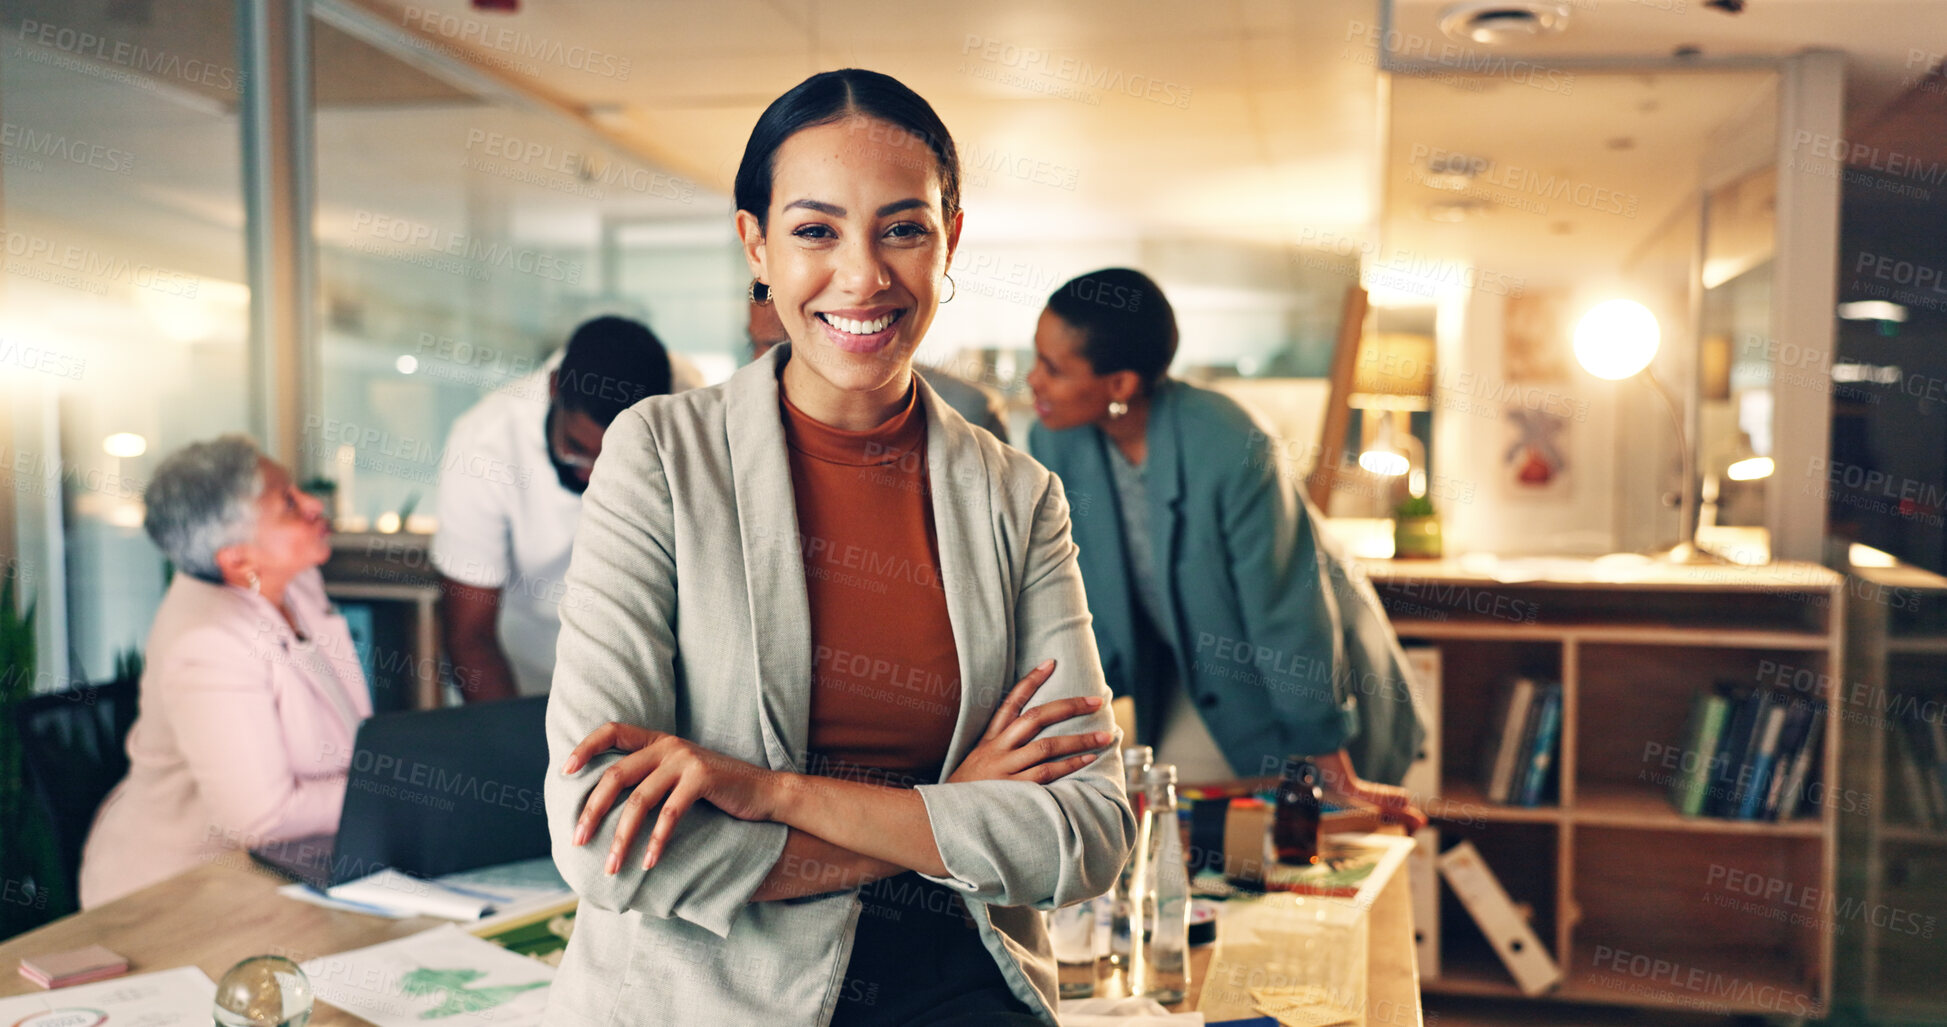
x=1009 y=750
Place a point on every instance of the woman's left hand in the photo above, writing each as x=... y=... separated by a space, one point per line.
x=667 y=770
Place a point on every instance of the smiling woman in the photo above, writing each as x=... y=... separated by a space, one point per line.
x=859 y=219
x=869 y=747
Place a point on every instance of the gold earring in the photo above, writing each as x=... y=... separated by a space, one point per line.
x=751 y=291
x=955 y=290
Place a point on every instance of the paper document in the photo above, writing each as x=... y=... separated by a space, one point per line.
x=444 y=975
x=391 y=889
x=182 y=997
x=468 y=895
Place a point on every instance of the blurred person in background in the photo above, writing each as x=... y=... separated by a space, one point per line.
x=251 y=691
x=510 y=489
x=1221 y=612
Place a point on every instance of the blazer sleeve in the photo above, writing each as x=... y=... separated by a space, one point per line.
x=616 y=661
x=1012 y=843
x=1286 y=602
x=224 y=714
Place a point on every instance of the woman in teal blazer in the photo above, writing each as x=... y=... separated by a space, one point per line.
x=1217 y=606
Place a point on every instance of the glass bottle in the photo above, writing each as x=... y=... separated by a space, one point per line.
x=1121 y=907
x=1294 y=826
x=1164 y=970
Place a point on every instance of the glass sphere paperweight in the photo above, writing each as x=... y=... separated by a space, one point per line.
x=264 y=991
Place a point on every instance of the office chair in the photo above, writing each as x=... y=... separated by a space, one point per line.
x=73 y=752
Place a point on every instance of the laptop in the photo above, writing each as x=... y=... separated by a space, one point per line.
x=433 y=792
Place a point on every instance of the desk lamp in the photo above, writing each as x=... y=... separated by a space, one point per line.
x=1615 y=340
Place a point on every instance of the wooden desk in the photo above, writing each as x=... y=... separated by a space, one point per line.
x=212 y=917
x=1392 y=969
x=228 y=910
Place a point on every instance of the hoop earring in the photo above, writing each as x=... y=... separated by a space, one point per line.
x=751 y=291
x=955 y=292
x=1117 y=408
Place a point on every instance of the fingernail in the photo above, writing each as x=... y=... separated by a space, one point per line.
x=1099 y=738
x=649 y=859
x=1045 y=664
x=569 y=767
x=614 y=863
x=1093 y=702
x=581 y=834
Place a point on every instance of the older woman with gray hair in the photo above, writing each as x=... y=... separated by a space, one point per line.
x=251 y=690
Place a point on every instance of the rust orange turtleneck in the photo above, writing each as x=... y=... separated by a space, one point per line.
x=885 y=671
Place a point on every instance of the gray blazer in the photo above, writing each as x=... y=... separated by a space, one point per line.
x=685 y=611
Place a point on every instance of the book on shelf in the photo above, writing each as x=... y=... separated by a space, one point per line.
x=1750 y=753
x=1734 y=748
x=1696 y=768
x=1541 y=751
x=1519 y=742
x=1800 y=748
x=1764 y=756
x=1501 y=738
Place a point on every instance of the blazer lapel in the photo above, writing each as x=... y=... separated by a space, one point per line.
x=767 y=520
x=973 y=570
x=1095 y=511
x=1163 y=477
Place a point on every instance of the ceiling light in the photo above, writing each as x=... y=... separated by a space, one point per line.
x=1454 y=211
x=1872 y=310
x=125 y=444
x=1508 y=21
x=1454 y=172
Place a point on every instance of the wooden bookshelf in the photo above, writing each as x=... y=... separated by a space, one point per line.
x=1897 y=647
x=1608 y=868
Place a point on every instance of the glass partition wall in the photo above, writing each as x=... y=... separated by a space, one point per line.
x=462 y=234
x=123 y=309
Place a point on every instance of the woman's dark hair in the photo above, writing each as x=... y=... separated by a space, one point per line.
x=832 y=96
x=1125 y=321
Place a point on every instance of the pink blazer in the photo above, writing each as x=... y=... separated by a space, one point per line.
x=243 y=737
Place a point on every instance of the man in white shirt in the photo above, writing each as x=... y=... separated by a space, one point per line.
x=510 y=497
